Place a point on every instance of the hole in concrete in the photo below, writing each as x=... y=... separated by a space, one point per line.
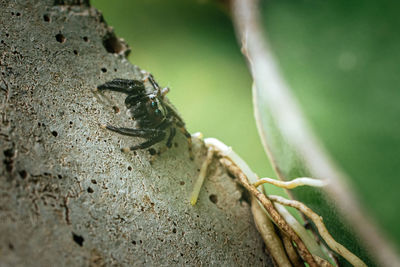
x=60 y=38
x=113 y=45
x=76 y=52
x=103 y=69
x=90 y=190
x=129 y=168
x=46 y=18
x=134 y=242
x=9 y=153
x=174 y=230
x=59 y=176
x=231 y=175
x=116 y=109
x=23 y=174
x=85 y=39
x=94 y=181
x=9 y=164
x=245 y=195
x=213 y=198
x=18 y=14
x=78 y=239
x=54 y=133
x=182 y=183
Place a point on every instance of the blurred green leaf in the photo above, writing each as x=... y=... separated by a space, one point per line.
x=341 y=59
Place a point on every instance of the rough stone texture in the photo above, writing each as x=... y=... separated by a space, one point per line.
x=68 y=195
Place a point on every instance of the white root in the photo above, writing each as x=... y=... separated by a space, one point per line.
x=293 y=183
x=308 y=240
x=216 y=146
x=335 y=246
x=200 y=180
x=267 y=231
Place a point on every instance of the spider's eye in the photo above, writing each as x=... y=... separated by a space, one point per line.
x=153 y=105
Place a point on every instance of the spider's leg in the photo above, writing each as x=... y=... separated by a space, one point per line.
x=146 y=133
x=164 y=91
x=189 y=139
x=123 y=86
x=172 y=132
x=153 y=82
x=155 y=139
x=178 y=120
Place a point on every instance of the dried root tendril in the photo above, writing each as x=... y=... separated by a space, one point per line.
x=308 y=240
x=335 y=246
x=293 y=183
x=267 y=204
x=309 y=250
x=200 y=180
x=267 y=231
x=291 y=252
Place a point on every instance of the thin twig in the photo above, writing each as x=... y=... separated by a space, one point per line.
x=335 y=246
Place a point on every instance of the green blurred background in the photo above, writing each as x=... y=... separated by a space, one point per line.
x=342 y=59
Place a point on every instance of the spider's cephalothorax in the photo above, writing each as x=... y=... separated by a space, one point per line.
x=153 y=113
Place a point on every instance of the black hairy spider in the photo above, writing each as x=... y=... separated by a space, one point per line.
x=152 y=112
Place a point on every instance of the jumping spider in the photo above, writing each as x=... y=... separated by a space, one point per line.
x=152 y=112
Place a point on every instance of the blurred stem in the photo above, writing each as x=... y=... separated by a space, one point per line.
x=288 y=116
